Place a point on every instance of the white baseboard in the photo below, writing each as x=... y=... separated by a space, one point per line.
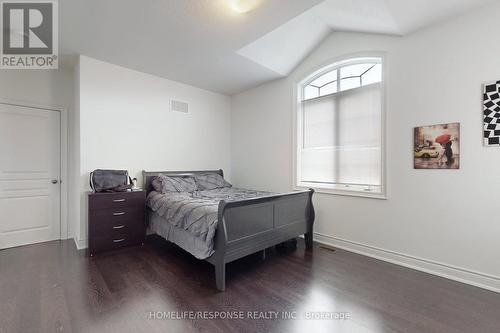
x=80 y=244
x=463 y=275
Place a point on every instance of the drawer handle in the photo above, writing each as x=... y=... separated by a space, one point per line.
x=118 y=214
x=118 y=240
x=119 y=200
x=118 y=226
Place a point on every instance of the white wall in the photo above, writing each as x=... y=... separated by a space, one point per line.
x=47 y=88
x=51 y=87
x=442 y=221
x=125 y=123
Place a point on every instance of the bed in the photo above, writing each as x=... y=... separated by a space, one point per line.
x=235 y=222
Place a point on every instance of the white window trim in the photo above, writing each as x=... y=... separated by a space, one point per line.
x=297 y=134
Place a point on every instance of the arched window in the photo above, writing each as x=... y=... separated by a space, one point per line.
x=339 y=128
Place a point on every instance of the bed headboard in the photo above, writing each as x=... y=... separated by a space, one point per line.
x=147 y=176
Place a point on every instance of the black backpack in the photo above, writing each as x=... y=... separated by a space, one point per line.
x=110 y=180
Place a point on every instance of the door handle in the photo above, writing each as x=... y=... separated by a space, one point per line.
x=54 y=181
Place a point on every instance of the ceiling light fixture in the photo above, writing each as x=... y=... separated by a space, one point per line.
x=242 y=6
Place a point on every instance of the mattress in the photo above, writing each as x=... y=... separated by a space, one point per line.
x=190 y=219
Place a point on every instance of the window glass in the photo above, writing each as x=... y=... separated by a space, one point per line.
x=330 y=88
x=373 y=75
x=318 y=123
x=310 y=92
x=340 y=129
x=354 y=70
x=325 y=79
x=350 y=83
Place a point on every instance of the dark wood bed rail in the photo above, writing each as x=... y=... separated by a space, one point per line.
x=251 y=225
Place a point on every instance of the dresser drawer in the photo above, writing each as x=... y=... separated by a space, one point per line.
x=111 y=242
x=116 y=200
x=114 y=224
x=116 y=214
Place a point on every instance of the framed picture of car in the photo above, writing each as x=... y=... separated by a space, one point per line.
x=437 y=146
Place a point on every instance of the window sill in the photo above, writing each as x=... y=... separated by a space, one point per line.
x=349 y=193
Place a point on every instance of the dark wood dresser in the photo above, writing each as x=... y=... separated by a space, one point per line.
x=116 y=220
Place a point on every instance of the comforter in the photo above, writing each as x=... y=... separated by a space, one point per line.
x=196 y=212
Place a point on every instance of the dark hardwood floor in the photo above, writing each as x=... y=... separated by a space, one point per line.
x=51 y=287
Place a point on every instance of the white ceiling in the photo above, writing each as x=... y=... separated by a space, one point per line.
x=205 y=44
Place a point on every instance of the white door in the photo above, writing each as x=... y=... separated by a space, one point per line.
x=30 y=169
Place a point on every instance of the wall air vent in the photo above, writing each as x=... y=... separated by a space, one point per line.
x=179 y=106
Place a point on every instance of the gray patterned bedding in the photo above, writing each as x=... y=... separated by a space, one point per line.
x=190 y=219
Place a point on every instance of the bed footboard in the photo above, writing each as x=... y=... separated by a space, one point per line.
x=248 y=226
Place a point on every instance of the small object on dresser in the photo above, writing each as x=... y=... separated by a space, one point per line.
x=134 y=185
x=110 y=180
x=116 y=220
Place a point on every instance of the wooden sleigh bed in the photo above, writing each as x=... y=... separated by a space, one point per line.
x=251 y=225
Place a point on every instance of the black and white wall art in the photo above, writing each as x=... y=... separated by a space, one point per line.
x=492 y=114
